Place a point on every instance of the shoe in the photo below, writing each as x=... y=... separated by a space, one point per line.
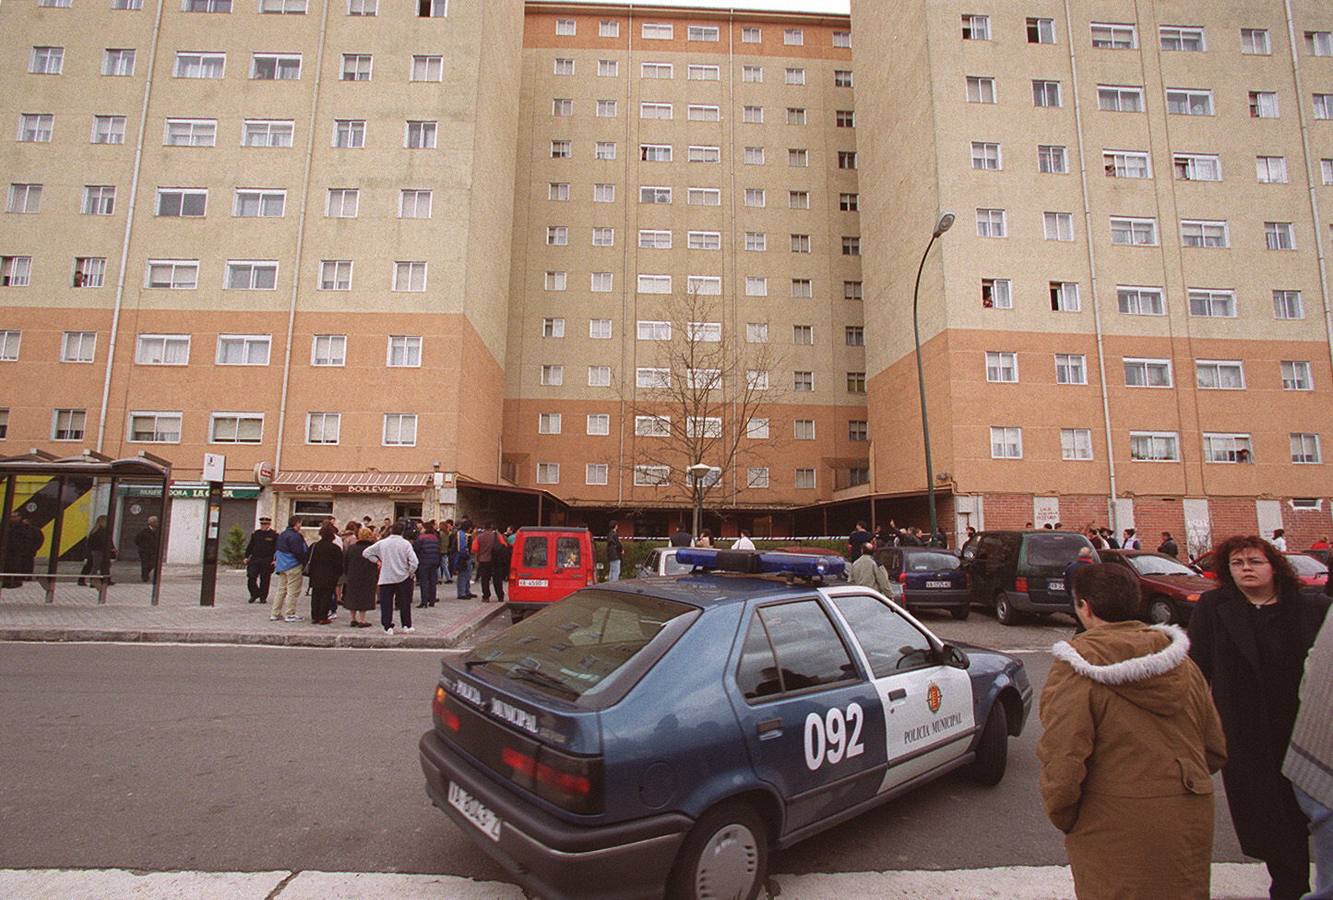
x=422 y=605
x=408 y=630
x=320 y=622
x=275 y=618
x=83 y=582
x=332 y=616
x=252 y=600
x=295 y=618
x=448 y=581
x=262 y=600
x=389 y=630
x=361 y=624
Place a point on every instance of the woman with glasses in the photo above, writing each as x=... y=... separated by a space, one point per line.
x=1250 y=637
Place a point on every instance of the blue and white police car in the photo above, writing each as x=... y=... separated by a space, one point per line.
x=660 y=736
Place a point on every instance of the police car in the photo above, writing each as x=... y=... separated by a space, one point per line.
x=662 y=735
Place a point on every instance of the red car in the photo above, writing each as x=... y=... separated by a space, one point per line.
x=1169 y=587
x=1311 y=571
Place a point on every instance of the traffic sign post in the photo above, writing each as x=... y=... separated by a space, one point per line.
x=215 y=469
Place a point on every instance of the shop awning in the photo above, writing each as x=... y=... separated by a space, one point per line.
x=352 y=482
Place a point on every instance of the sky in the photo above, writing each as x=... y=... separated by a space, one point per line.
x=823 y=6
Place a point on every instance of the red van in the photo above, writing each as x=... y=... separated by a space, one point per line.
x=548 y=564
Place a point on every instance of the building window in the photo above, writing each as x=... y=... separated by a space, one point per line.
x=606 y=109
x=162 y=350
x=805 y=479
x=985 y=155
x=849 y=202
x=1119 y=98
x=1212 y=303
x=36 y=127
x=115 y=4
x=562 y=107
x=553 y=327
x=46 y=60
x=78 y=346
x=796 y=115
x=704 y=240
x=655 y=152
x=1064 y=296
x=603 y=237
x=1263 y=105
x=174 y=274
x=1126 y=164
x=415 y=203
x=856 y=382
x=1147 y=373
x=793 y=37
x=1255 y=42
x=552 y=376
x=328 y=350
x=851 y=245
x=1271 y=169
x=659 y=70
x=356 y=67
x=253 y=203
x=236 y=428
x=1006 y=442
x=187 y=202
x=1280 y=235
x=1197 y=167
x=274 y=66
x=803 y=381
x=349 y=133
x=1305 y=449
x=1296 y=375
x=335 y=275
x=118 y=61
x=1071 y=368
x=858 y=430
x=363 y=7
x=404 y=351
x=89 y=271
x=98 y=199
x=751 y=35
x=409 y=276
x=282 y=6
x=794 y=76
x=1186 y=102
x=1045 y=93
x=752 y=115
x=1288 y=305
x=652 y=426
x=752 y=74
x=1076 y=443
x=200 y=65
x=705 y=154
x=650 y=377
x=798 y=158
x=704 y=286
x=1132 y=232
x=267 y=133
x=652 y=476
x=608 y=28
x=803 y=335
x=980 y=89
x=703 y=73
x=802 y=289
x=595 y=473
x=1041 y=31
x=852 y=290
x=548 y=423
x=1114 y=36
x=1002 y=367
x=654 y=194
x=562 y=66
x=561 y=150
x=657 y=31
x=1052 y=159
x=601 y=282
x=599 y=376
x=342 y=203
x=756 y=477
x=557 y=235
x=842 y=39
x=996 y=293
x=251 y=275
x=155 y=427
x=243 y=349
x=419 y=135
x=1154 y=446
x=800 y=243
x=1199 y=233
x=844 y=118
x=976 y=28
x=400 y=430
x=566 y=27
x=15 y=271
x=1228 y=448
x=322 y=427
x=1219 y=375
x=1181 y=37
x=803 y=430
x=1319 y=43
x=1140 y=301
x=426 y=68
x=991 y=223
x=1058 y=226
x=599 y=329
x=655 y=111
x=703 y=196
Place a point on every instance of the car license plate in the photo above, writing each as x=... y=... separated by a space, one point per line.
x=1056 y=586
x=474 y=811
x=532 y=582
x=939 y=584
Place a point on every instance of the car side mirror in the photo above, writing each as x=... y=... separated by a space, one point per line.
x=952 y=656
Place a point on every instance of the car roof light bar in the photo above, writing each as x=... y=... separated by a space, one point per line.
x=798 y=565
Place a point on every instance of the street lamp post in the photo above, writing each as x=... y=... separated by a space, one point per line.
x=944 y=224
x=699 y=471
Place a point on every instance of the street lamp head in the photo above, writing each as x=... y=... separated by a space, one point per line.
x=699 y=469
x=944 y=224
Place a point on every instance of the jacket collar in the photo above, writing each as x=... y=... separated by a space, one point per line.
x=1140 y=668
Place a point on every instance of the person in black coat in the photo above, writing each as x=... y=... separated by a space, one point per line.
x=1250 y=637
x=325 y=567
x=21 y=547
x=100 y=553
x=360 y=589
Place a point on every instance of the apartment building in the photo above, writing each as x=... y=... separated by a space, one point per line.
x=1133 y=305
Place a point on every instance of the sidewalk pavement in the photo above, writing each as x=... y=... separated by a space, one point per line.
x=129 y=615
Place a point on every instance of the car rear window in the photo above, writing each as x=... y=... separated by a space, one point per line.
x=578 y=647
x=568 y=553
x=1054 y=549
x=671 y=567
x=535 y=552
x=930 y=562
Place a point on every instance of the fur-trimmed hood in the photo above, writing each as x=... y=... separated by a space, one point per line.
x=1145 y=664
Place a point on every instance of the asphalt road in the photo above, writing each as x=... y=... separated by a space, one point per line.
x=255 y=758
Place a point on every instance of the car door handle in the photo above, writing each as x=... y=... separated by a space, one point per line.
x=898 y=694
x=769 y=728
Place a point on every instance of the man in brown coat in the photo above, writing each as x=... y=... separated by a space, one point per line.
x=1131 y=740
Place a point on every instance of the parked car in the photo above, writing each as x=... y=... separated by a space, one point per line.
x=1319 y=553
x=1170 y=588
x=927 y=578
x=662 y=735
x=1021 y=572
x=1309 y=570
x=548 y=564
x=662 y=561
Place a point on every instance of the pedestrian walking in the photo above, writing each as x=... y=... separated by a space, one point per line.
x=427 y=547
x=259 y=555
x=867 y=572
x=483 y=546
x=463 y=559
x=397 y=561
x=743 y=542
x=1130 y=741
x=1309 y=761
x=325 y=567
x=1250 y=637
x=1279 y=540
x=100 y=552
x=361 y=579
x=21 y=546
x=146 y=542
x=1131 y=542
x=615 y=551
x=1168 y=545
x=289 y=558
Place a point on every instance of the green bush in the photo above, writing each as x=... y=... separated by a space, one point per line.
x=233 y=546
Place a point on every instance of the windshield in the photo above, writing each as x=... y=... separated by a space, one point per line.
x=1054 y=549
x=929 y=562
x=576 y=645
x=1159 y=565
x=1306 y=565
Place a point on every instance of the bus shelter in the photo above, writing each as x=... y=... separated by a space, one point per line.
x=60 y=525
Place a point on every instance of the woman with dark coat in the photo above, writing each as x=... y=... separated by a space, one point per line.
x=1250 y=638
x=325 y=567
x=362 y=576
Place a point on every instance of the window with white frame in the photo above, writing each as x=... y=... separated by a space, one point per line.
x=1197 y=166
x=704 y=240
x=751 y=34
x=1006 y=442
x=1040 y=30
x=1187 y=38
x=335 y=275
x=89 y=271
x=356 y=67
x=1154 y=446
x=1134 y=300
x=1147 y=373
x=15 y=271
x=9 y=344
x=1002 y=366
x=1212 y=303
x=548 y=423
x=794 y=75
x=1058 y=226
x=174 y=274
x=420 y=135
x=756 y=241
x=991 y=223
x=342 y=203
x=599 y=329
x=1064 y=296
x=608 y=28
x=703 y=73
x=650 y=239
x=1119 y=98
x=1071 y=368
x=426 y=67
x=349 y=133
x=1204 y=233
x=980 y=89
x=267 y=133
x=1263 y=104
x=1114 y=35
x=608 y=68
x=323 y=427
x=1045 y=93
x=275 y=66
x=756 y=477
x=78 y=346
x=1288 y=305
x=756 y=286
x=193 y=64
x=566 y=27
x=46 y=60
x=409 y=275
x=295 y=7
x=555 y=281
x=1189 y=102
x=36 y=127
x=1227 y=448
x=562 y=107
x=363 y=7
x=1326 y=170
x=236 y=428
x=562 y=66
x=400 y=430
x=844 y=118
x=652 y=476
x=1270 y=169
x=553 y=327
x=1296 y=375
x=995 y=293
x=1131 y=231
x=1319 y=43
x=703 y=332
x=243 y=349
x=557 y=235
x=108 y=130
x=803 y=381
x=696 y=112
x=187 y=202
x=756 y=332
x=1305 y=448
x=842 y=39
x=603 y=193
x=251 y=275
x=601 y=282
x=705 y=154
x=652 y=426
x=1219 y=374
x=162 y=350
x=552 y=376
x=800 y=243
x=803 y=429
x=652 y=377
x=804 y=479
x=1280 y=235
x=118 y=61
x=1076 y=443
x=404 y=351
x=1255 y=42
x=1126 y=164
x=606 y=109
x=655 y=111
x=115 y=4
x=328 y=350
x=703 y=33
x=846 y=159
x=793 y=37
x=595 y=473
x=657 y=31
x=98 y=200
x=561 y=150
x=599 y=424
x=798 y=199
x=599 y=376
x=803 y=335
x=985 y=155
x=752 y=74
x=976 y=28
x=655 y=152
x=803 y=289
x=603 y=236
x=259 y=203
x=654 y=194
x=155 y=427
x=752 y=115
x=415 y=203
x=660 y=70
x=696 y=196
x=653 y=330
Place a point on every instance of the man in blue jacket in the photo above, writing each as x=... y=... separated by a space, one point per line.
x=289 y=563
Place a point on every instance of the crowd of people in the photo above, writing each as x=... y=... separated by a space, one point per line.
x=361 y=566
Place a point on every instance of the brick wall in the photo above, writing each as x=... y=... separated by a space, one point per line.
x=1232 y=515
x=1153 y=515
x=1304 y=526
x=1078 y=511
x=1005 y=511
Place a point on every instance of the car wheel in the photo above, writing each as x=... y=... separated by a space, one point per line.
x=1005 y=613
x=516 y=616
x=1161 y=611
x=993 y=748
x=725 y=855
x=961 y=612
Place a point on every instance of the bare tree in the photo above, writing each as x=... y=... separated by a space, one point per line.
x=698 y=398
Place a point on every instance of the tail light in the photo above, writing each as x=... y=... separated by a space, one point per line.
x=443 y=715
x=1021 y=584
x=567 y=781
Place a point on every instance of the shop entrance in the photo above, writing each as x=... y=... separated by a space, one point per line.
x=406 y=510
